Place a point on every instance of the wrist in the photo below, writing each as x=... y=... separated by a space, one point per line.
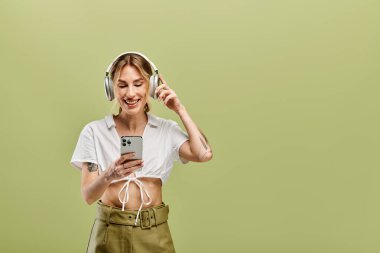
x=106 y=178
x=181 y=110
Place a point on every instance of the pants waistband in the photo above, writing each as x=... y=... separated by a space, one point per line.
x=149 y=217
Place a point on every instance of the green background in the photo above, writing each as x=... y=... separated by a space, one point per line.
x=287 y=92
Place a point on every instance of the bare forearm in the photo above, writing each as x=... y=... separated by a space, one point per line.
x=198 y=141
x=95 y=189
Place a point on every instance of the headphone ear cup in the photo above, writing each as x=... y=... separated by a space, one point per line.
x=153 y=80
x=108 y=87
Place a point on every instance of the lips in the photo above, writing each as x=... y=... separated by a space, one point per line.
x=131 y=103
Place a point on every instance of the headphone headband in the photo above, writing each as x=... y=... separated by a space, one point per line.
x=131 y=52
x=154 y=79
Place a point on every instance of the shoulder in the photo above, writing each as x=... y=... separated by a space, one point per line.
x=98 y=124
x=161 y=122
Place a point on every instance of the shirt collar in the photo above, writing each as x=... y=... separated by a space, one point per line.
x=152 y=120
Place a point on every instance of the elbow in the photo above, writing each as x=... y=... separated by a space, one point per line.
x=87 y=199
x=206 y=157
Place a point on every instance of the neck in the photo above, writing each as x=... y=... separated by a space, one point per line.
x=132 y=123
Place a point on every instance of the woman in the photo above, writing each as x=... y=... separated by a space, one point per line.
x=131 y=215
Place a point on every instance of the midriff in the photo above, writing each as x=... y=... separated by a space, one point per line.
x=152 y=185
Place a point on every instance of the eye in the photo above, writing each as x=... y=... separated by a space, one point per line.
x=138 y=85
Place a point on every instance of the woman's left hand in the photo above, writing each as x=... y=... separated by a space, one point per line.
x=168 y=96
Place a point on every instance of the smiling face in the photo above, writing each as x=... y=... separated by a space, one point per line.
x=131 y=90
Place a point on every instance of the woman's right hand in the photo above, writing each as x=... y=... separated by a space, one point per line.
x=123 y=166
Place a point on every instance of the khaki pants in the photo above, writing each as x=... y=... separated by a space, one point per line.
x=113 y=230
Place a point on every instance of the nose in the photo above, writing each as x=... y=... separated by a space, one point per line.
x=131 y=92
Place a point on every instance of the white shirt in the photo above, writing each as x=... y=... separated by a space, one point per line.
x=99 y=143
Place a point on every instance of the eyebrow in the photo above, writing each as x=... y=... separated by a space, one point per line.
x=122 y=81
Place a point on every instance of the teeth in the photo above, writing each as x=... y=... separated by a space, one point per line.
x=131 y=103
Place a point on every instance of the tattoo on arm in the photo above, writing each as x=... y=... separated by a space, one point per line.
x=92 y=167
x=203 y=142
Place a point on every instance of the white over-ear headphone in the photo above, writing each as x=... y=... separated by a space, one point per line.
x=154 y=80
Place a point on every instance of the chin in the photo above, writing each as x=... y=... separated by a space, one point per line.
x=132 y=111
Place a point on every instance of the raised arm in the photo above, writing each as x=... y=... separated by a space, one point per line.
x=197 y=148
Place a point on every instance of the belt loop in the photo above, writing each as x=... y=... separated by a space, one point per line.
x=108 y=214
x=154 y=216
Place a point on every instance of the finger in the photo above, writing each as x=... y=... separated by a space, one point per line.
x=163 y=94
x=132 y=163
x=119 y=168
x=128 y=154
x=125 y=157
x=161 y=77
x=133 y=168
x=164 y=86
x=118 y=161
x=125 y=166
x=169 y=97
x=160 y=88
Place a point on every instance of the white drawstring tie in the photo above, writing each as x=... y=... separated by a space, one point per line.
x=126 y=195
